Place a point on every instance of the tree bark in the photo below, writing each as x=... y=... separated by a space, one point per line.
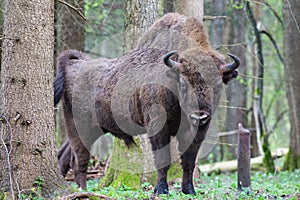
x=292 y=59
x=190 y=8
x=140 y=15
x=27 y=118
x=1 y=28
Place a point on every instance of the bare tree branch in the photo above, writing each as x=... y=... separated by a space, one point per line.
x=274 y=12
x=279 y=118
x=73 y=8
x=3 y=120
x=274 y=44
x=257 y=103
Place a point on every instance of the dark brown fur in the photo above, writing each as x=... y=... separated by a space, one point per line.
x=88 y=88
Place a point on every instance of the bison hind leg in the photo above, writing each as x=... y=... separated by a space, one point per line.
x=64 y=157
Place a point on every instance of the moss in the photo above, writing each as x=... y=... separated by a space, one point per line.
x=175 y=171
x=291 y=162
x=268 y=161
x=123 y=170
x=130 y=180
x=150 y=177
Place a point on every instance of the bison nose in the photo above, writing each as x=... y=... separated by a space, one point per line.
x=199 y=117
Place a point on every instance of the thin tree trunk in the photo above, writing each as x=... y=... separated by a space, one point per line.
x=236 y=93
x=27 y=123
x=261 y=128
x=292 y=59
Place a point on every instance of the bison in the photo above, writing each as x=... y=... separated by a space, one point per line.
x=152 y=89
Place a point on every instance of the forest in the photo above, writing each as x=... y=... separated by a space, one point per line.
x=58 y=124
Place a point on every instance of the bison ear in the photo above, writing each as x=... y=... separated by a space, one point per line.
x=171 y=63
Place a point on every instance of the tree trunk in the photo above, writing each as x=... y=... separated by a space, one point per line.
x=261 y=127
x=291 y=12
x=140 y=15
x=1 y=28
x=27 y=119
x=190 y=8
x=236 y=91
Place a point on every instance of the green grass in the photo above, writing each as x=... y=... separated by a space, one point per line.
x=284 y=185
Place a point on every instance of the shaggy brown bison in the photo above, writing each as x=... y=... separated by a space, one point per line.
x=149 y=90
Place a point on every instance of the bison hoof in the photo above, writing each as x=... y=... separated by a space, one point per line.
x=161 y=188
x=188 y=188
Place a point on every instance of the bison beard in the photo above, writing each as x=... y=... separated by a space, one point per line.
x=189 y=96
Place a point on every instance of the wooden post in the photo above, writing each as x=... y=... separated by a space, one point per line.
x=244 y=156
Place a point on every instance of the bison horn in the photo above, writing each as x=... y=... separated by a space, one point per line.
x=171 y=63
x=231 y=66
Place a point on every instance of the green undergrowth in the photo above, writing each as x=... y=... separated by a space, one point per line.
x=283 y=185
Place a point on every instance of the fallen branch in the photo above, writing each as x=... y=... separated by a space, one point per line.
x=213 y=17
x=232 y=132
x=84 y=195
x=229 y=166
x=91 y=174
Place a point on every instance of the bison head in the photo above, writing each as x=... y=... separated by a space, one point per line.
x=197 y=74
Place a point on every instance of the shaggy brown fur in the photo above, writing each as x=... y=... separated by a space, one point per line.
x=95 y=95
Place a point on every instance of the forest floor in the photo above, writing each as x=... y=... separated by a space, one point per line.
x=282 y=185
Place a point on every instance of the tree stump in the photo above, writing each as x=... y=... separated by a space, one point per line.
x=244 y=156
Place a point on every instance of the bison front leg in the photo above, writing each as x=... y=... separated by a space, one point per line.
x=162 y=158
x=189 y=145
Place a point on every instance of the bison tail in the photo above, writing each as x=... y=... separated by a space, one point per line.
x=63 y=61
